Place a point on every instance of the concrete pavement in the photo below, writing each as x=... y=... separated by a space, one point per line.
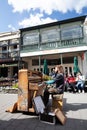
x=75 y=109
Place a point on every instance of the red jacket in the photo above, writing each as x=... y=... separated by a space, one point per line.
x=71 y=79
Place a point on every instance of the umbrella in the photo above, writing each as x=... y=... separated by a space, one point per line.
x=76 y=68
x=45 y=69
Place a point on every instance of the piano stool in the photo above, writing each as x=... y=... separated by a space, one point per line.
x=57 y=101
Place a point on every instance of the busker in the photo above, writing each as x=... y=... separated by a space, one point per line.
x=58 y=80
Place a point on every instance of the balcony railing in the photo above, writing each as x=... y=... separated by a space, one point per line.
x=54 y=45
x=72 y=43
x=9 y=55
x=30 y=47
x=9 y=51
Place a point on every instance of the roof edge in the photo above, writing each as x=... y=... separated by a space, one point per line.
x=80 y=18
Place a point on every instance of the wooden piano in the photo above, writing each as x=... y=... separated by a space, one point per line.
x=28 y=88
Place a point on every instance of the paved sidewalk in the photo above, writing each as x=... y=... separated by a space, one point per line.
x=75 y=109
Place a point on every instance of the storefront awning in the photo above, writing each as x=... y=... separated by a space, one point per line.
x=8 y=65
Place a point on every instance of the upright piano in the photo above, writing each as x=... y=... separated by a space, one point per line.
x=28 y=87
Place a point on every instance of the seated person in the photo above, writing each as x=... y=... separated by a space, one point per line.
x=52 y=72
x=58 y=88
x=71 y=81
x=80 y=79
x=66 y=83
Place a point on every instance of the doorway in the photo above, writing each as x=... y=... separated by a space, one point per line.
x=4 y=72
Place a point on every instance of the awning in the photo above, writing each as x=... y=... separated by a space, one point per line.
x=76 y=67
x=45 y=67
x=8 y=65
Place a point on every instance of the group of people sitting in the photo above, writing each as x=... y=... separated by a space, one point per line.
x=75 y=84
x=62 y=83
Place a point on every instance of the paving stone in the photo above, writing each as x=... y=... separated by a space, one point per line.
x=75 y=109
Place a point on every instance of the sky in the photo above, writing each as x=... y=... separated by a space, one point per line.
x=17 y=14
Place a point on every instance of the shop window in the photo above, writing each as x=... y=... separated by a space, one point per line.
x=34 y=69
x=66 y=71
x=37 y=69
x=35 y=62
x=4 y=48
x=67 y=60
x=15 y=46
x=41 y=69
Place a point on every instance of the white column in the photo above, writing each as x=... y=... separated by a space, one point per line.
x=85 y=63
x=39 y=63
x=61 y=59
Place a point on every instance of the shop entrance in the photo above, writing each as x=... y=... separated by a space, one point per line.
x=4 y=72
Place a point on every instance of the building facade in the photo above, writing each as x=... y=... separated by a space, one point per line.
x=9 y=53
x=58 y=42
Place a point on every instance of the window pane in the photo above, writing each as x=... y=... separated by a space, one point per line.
x=74 y=31
x=50 y=35
x=31 y=38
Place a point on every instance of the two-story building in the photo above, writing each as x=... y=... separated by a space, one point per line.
x=58 y=42
x=9 y=53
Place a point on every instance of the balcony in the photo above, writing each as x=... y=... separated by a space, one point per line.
x=14 y=50
x=13 y=54
x=3 y=51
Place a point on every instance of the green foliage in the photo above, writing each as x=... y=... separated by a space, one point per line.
x=15 y=85
x=46 y=77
